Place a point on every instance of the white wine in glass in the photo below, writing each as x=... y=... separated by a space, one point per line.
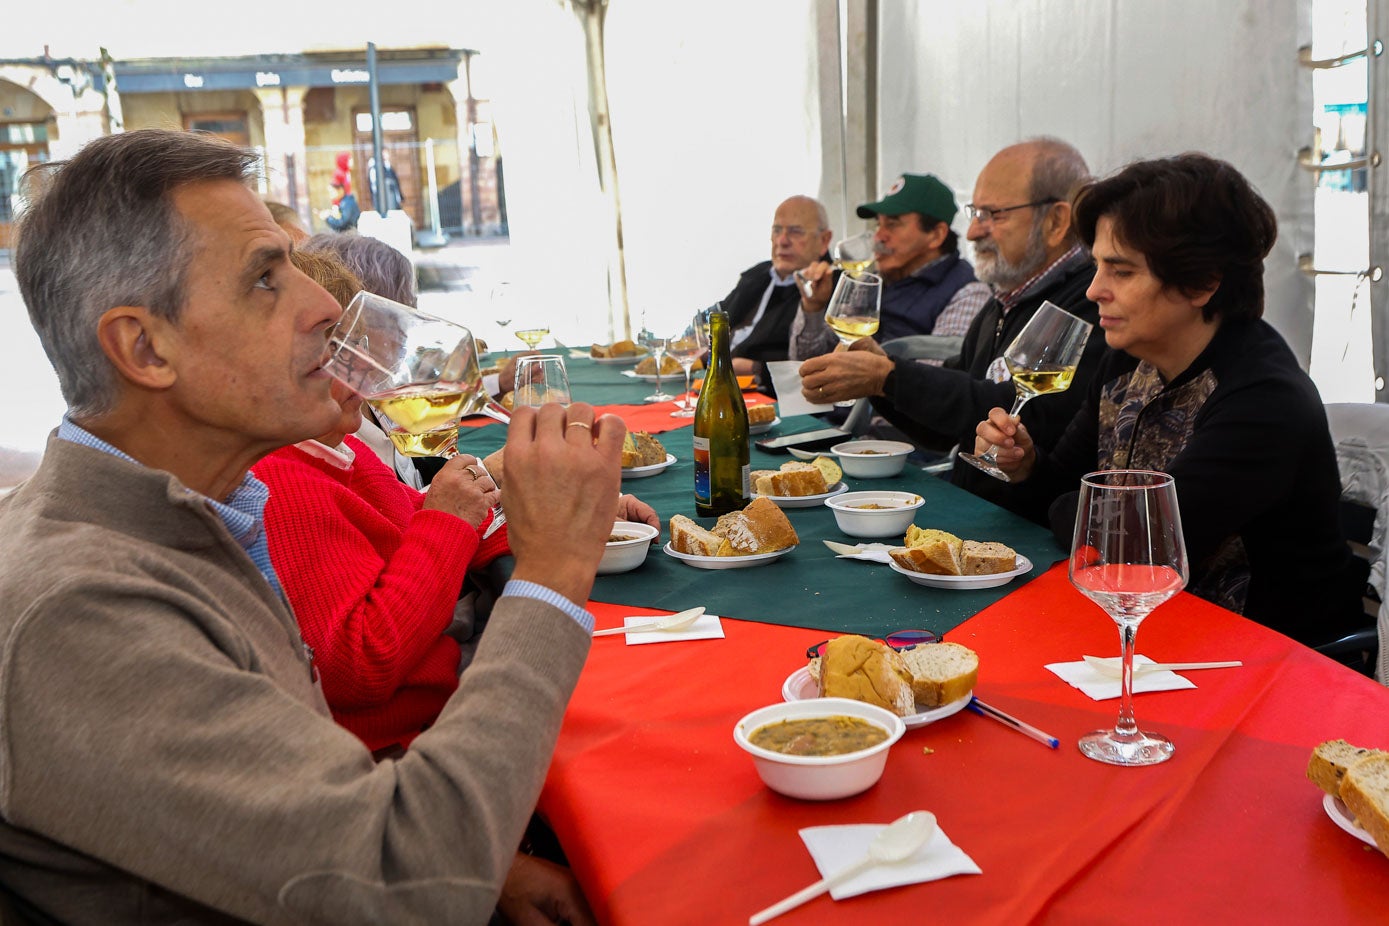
x=1041 y=360
x=853 y=310
x=855 y=255
x=419 y=372
x=532 y=337
x=1128 y=556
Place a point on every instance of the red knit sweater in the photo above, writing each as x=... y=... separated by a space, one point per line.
x=373 y=579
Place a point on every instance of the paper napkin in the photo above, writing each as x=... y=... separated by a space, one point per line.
x=872 y=552
x=835 y=848
x=1101 y=687
x=786 y=379
x=707 y=627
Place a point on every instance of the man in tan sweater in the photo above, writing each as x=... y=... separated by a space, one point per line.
x=166 y=753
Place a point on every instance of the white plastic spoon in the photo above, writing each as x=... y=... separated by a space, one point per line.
x=1111 y=665
x=669 y=622
x=896 y=842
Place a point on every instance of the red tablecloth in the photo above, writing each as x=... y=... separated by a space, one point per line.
x=666 y=822
x=653 y=419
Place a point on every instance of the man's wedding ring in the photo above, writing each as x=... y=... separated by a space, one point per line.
x=472 y=472
x=579 y=424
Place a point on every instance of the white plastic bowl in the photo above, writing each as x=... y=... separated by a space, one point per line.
x=819 y=778
x=874 y=522
x=626 y=555
x=872 y=459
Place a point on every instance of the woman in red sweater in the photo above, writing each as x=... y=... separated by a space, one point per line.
x=374 y=569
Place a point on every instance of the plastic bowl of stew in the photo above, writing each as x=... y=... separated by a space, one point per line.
x=874 y=514
x=820 y=777
x=627 y=547
x=872 y=459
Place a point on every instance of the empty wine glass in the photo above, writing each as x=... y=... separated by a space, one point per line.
x=854 y=255
x=686 y=347
x=654 y=342
x=541 y=378
x=1128 y=556
x=501 y=306
x=1042 y=359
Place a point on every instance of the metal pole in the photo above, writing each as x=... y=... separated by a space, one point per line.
x=378 y=198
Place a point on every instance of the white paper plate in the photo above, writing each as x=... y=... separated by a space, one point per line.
x=725 y=562
x=965 y=582
x=1341 y=816
x=641 y=472
x=805 y=501
x=764 y=426
x=674 y=380
x=627 y=360
x=799 y=686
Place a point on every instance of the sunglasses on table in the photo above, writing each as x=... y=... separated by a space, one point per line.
x=899 y=640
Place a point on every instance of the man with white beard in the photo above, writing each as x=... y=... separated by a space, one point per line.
x=1026 y=248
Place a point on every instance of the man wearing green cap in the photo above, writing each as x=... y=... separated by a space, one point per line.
x=927 y=287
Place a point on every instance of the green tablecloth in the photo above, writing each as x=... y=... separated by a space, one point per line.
x=808 y=587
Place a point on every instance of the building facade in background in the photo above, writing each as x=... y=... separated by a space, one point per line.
x=302 y=112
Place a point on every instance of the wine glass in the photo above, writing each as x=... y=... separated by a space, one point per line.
x=418 y=372
x=686 y=347
x=854 y=255
x=502 y=306
x=853 y=308
x=655 y=343
x=1128 y=557
x=1042 y=359
x=541 y=378
x=533 y=335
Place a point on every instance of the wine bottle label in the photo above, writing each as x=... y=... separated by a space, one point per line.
x=702 y=492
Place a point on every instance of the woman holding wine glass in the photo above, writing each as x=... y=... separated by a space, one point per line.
x=1199 y=387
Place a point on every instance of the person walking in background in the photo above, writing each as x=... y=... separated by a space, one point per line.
x=344 y=213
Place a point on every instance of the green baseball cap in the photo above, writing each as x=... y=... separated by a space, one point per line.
x=922 y=193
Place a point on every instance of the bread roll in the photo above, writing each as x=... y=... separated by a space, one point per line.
x=797 y=479
x=936 y=558
x=866 y=670
x=688 y=537
x=1327 y=766
x=761 y=527
x=941 y=672
x=1365 y=792
x=760 y=414
x=641 y=449
x=980 y=558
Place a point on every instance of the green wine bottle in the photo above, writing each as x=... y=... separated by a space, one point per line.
x=720 y=430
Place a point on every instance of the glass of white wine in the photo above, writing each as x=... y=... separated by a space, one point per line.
x=419 y=373
x=532 y=336
x=854 y=255
x=853 y=310
x=685 y=347
x=1042 y=359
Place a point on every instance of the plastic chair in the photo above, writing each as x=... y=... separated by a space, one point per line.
x=912 y=347
x=1360 y=432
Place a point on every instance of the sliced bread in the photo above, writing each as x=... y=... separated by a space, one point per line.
x=936 y=557
x=1327 y=766
x=1365 y=792
x=866 y=670
x=797 y=479
x=760 y=414
x=941 y=672
x=688 y=537
x=761 y=527
x=986 y=558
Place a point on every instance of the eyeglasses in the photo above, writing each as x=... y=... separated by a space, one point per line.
x=899 y=640
x=985 y=216
x=792 y=231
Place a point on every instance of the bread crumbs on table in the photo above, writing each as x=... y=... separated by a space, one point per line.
x=927 y=751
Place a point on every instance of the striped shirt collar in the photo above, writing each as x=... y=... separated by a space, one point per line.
x=1043 y=278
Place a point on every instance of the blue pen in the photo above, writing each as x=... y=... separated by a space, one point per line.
x=984 y=710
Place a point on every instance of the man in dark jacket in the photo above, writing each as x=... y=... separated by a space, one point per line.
x=760 y=308
x=1026 y=248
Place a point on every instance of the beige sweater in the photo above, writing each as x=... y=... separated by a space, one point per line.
x=165 y=756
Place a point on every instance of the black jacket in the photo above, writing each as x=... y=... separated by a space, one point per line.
x=941 y=406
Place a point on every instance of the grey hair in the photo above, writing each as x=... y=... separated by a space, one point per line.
x=99 y=231
x=382 y=269
x=1058 y=171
